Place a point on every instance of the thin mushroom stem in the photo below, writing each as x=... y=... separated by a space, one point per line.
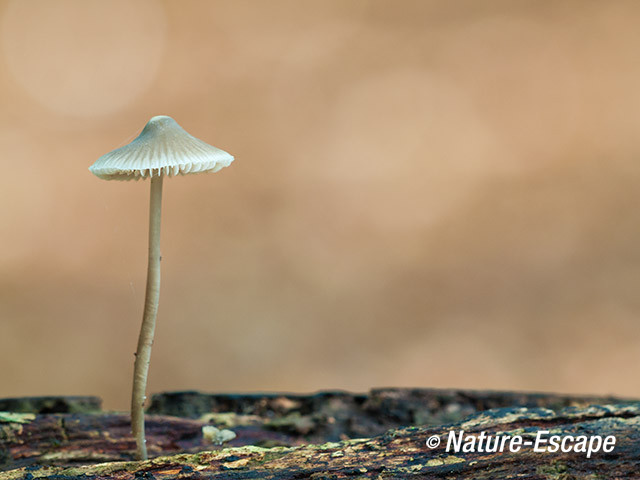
x=145 y=341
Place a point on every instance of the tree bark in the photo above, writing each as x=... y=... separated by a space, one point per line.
x=283 y=437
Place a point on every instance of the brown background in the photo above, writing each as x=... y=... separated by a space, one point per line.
x=437 y=194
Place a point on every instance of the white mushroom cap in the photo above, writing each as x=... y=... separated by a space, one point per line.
x=162 y=148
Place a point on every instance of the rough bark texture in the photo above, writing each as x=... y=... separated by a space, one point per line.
x=330 y=435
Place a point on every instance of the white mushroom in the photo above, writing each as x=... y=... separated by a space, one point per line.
x=216 y=436
x=162 y=149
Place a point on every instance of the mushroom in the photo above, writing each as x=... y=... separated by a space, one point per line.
x=162 y=149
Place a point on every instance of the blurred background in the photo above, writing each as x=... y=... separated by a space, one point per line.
x=425 y=193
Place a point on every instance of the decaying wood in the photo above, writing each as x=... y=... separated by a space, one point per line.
x=72 y=445
x=70 y=404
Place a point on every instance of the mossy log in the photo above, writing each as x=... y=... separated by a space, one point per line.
x=298 y=436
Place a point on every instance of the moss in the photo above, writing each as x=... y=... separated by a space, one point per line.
x=11 y=417
x=448 y=460
x=555 y=471
x=294 y=422
x=9 y=433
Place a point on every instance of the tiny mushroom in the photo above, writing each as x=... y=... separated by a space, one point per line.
x=162 y=149
x=217 y=436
